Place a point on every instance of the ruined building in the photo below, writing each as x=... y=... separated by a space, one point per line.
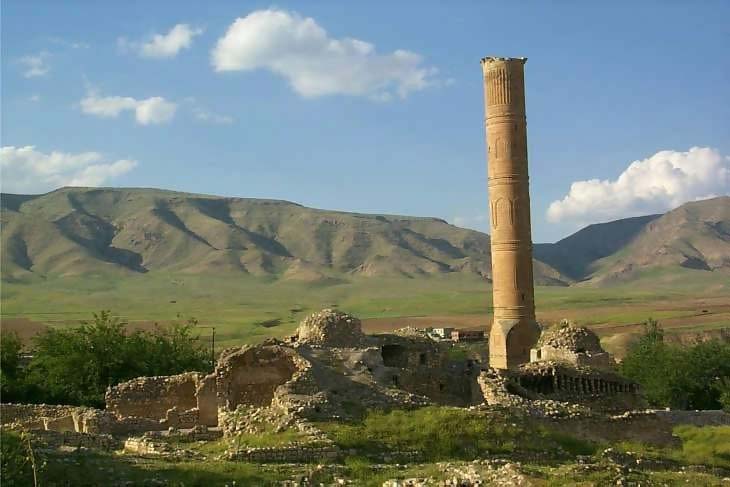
x=575 y=345
x=514 y=329
x=331 y=369
x=568 y=364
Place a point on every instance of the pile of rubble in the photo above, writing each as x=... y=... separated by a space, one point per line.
x=330 y=328
x=568 y=336
x=488 y=472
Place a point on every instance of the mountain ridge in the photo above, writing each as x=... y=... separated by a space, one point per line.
x=73 y=231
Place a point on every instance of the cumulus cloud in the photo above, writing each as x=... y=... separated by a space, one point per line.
x=35 y=65
x=26 y=170
x=163 y=45
x=315 y=64
x=154 y=110
x=654 y=185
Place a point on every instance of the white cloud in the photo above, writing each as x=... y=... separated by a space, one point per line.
x=34 y=98
x=657 y=184
x=210 y=117
x=154 y=110
x=26 y=170
x=163 y=45
x=35 y=65
x=315 y=64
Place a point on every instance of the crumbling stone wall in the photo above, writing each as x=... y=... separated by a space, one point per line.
x=695 y=418
x=250 y=375
x=645 y=427
x=207 y=400
x=152 y=397
x=73 y=419
x=56 y=439
x=42 y=416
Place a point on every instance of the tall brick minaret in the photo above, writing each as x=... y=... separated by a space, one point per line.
x=514 y=329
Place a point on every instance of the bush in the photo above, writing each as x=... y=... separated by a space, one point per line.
x=10 y=373
x=723 y=388
x=684 y=377
x=16 y=459
x=75 y=366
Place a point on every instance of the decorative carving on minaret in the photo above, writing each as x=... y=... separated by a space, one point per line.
x=498 y=87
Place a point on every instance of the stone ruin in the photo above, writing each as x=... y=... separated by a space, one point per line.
x=571 y=344
x=568 y=364
x=330 y=369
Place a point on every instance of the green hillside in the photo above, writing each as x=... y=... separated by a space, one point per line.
x=77 y=231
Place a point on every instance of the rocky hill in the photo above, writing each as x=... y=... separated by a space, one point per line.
x=74 y=231
x=694 y=236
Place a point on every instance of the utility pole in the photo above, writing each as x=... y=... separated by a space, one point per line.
x=212 y=345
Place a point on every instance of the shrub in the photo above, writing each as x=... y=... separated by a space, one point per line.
x=686 y=377
x=75 y=366
x=16 y=459
x=10 y=373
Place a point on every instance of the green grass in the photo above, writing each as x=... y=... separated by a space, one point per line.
x=265 y=439
x=707 y=445
x=442 y=433
x=249 y=309
x=449 y=433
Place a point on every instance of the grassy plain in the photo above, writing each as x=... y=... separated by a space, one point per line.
x=446 y=437
x=250 y=309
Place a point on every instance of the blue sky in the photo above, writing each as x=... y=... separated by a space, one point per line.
x=285 y=105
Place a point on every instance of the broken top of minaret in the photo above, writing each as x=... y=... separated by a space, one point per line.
x=514 y=329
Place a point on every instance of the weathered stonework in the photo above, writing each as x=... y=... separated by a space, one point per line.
x=250 y=375
x=152 y=397
x=571 y=344
x=599 y=388
x=206 y=396
x=330 y=328
x=514 y=329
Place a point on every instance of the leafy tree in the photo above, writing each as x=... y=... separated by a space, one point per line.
x=10 y=388
x=723 y=388
x=683 y=377
x=75 y=366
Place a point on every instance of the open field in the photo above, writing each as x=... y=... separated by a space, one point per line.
x=249 y=309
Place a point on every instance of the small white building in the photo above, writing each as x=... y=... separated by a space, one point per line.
x=443 y=333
